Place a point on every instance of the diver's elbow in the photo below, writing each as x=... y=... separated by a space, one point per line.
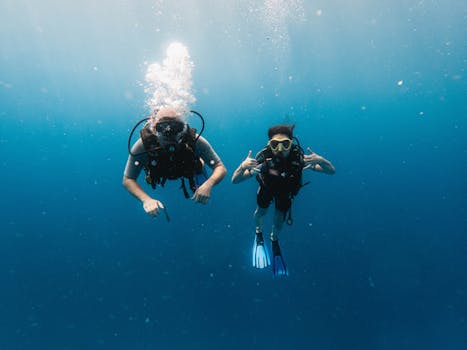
x=126 y=182
x=221 y=170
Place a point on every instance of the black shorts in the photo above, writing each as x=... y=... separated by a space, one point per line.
x=282 y=200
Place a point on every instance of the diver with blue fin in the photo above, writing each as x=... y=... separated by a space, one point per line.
x=278 y=169
x=168 y=149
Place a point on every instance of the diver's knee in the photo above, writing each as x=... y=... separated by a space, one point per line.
x=260 y=211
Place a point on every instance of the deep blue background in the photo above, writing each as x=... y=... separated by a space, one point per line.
x=377 y=252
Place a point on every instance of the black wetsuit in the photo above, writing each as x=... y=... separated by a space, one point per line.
x=280 y=179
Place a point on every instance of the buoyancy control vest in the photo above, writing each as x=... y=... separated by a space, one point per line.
x=289 y=169
x=286 y=175
x=172 y=161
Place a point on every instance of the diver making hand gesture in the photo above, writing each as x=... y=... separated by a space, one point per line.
x=278 y=168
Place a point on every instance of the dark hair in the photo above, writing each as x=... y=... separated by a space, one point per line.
x=281 y=129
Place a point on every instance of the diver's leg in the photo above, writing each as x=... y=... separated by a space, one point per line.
x=259 y=215
x=282 y=205
x=278 y=223
x=278 y=263
x=260 y=252
x=263 y=200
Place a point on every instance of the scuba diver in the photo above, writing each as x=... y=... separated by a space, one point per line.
x=278 y=170
x=169 y=149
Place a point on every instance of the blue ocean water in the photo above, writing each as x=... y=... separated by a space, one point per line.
x=377 y=252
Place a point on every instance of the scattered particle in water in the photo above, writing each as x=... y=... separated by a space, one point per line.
x=421 y=114
x=319 y=12
x=400 y=82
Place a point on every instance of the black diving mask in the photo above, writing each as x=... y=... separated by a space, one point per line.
x=170 y=127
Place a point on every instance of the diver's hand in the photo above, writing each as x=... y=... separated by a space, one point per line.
x=203 y=193
x=311 y=159
x=249 y=163
x=152 y=207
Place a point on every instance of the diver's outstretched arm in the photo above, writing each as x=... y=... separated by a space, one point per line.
x=150 y=205
x=218 y=173
x=203 y=193
x=315 y=162
x=245 y=170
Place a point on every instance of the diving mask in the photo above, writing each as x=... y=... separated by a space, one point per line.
x=280 y=145
x=170 y=127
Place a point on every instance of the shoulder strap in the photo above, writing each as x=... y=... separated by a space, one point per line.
x=297 y=154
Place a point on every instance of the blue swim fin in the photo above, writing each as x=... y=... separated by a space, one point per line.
x=279 y=268
x=260 y=252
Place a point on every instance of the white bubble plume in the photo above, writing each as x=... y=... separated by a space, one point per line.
x=170 y=83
